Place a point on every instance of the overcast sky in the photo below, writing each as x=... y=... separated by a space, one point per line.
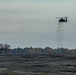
x=25 y=23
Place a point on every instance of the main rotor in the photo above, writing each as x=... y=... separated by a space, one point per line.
x=62 y=19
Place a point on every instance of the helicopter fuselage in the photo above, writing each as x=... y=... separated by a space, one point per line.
x=63 y=20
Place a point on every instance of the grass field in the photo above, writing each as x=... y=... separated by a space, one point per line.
x=37 y=65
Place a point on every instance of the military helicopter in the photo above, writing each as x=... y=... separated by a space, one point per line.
x=62 y=19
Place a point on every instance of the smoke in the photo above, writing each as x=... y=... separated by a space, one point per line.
x=60 y=33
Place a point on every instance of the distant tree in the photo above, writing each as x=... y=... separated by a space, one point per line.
x=7 y=48
x=4 y=48
x=47 y=48
x=1 y=46
x=18 y=48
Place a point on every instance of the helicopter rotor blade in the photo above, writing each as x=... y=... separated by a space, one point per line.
x=61 y=17
x=58 y=17
x=65 y=17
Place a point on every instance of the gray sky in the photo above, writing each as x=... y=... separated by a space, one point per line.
x=25 y=23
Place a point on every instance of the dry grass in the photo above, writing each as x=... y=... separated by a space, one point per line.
x=9 y=73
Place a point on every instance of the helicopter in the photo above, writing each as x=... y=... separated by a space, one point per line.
x=62 y=19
